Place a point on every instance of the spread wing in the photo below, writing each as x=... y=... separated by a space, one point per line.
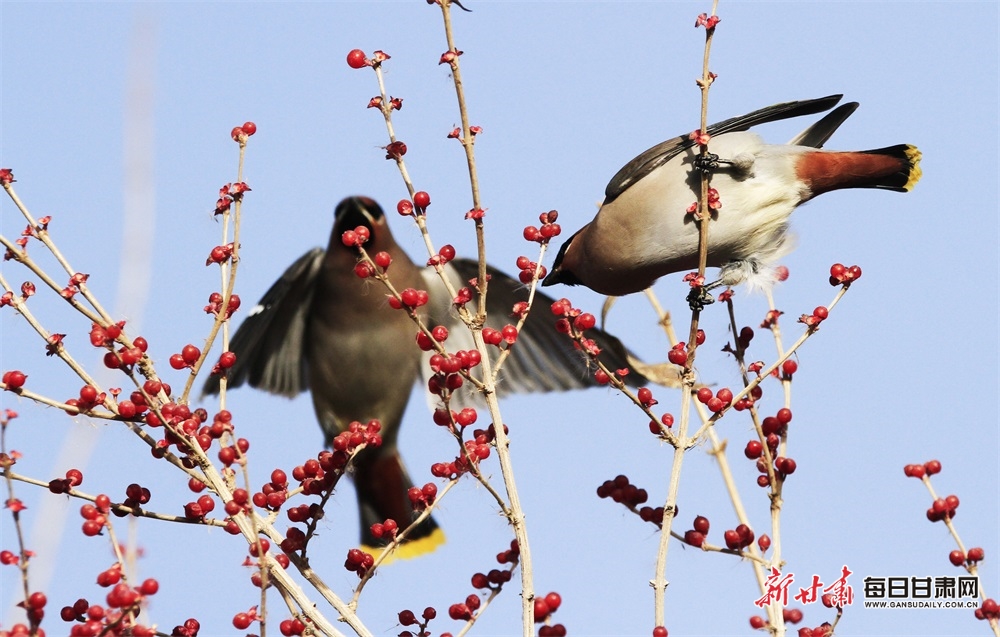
x=663 y=152
x=542 y=360
x=269 y=343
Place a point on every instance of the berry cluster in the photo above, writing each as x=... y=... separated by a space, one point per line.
x=409 y=299
x=408 y=618
x=548 y=229
x=813 y=320
x=13 y=380
x=574 y=322
x=421 y=200
x=220 y=254
x=242 y=620
x=395 y=150
x=445 y=254
x=529 y=270
x=544 y=607
x=240 y=133
x=774 y=429
x=136 y=495
x=357 y=237
x=841 y=275
x=696 y=535
x=119 y=615
x=422 y=497
x=293 y=626
x=958 y=558
x=943 y=509
x=359 y=561
x=508 y=335
x=357 y=59
x=449 y=370
x=739 y=538
x=215 y=304
x=678 y=354
x=476 y=450
x=95 y=515
x=716 y=402
x=385 y=530
x=989 y=610
x=187 y=357
x=88 y=399
x=929 y=468
x=823 y=630
x=74 y=478
x=493 y=581
x=624 y=492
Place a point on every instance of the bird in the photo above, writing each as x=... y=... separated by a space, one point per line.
x=642 y=232
x=320 y=328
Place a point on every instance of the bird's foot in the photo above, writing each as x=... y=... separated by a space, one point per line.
x=709 y=162
x=699 y=297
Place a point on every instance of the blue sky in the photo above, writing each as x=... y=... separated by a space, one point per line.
x=904 y=371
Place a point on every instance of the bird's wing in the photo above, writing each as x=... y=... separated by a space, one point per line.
x=663 y=152
x=268 y=345
x=818 y=133
x=542 y=359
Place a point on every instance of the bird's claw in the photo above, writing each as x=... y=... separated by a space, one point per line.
x=698 y=298
x=709 y=162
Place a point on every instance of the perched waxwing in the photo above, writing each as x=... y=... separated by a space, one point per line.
x=642 y=230
x=320 y=328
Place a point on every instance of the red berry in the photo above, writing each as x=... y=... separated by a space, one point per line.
x=956 y=557
x=701 y=524
x=757 y=622
x=694 y=538
x=789 y=367
x=554 y=600
x=190 y=354
x=356 y=59
x=421 y=199
x=659 y=631
x=407 y=618
x=542 y=610
x=249 y=128
x=932 y=467
x=14 y=379
x=149 y=587
x=37 y=601
x=764 y=542
x=241 y=621
x=976 y=554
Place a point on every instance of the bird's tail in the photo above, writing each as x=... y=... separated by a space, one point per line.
x=890 y=168
x=382 y=484
x=908 y=172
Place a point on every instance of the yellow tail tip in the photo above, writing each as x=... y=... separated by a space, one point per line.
x=913 y=155
x=409 y=549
